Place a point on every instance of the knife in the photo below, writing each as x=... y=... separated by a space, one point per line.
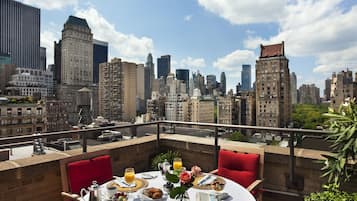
x=201 y=182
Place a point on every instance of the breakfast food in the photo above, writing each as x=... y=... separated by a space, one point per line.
x=217 y=186
x=120 y=196
x=154 y=193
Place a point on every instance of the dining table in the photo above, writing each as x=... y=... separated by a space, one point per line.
x=155 y=179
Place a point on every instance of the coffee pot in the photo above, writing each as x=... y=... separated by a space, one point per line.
x=164 y=167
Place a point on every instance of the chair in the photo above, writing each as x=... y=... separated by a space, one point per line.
x=79 y=171
x=243 y=168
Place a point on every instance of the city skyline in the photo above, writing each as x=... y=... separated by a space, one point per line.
x=233 y=38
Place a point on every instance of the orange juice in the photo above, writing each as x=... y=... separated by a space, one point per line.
x=177 y=165
x=129 y=177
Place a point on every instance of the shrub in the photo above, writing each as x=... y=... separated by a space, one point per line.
x=237 y=136
x=169 y=156
x=330 y=193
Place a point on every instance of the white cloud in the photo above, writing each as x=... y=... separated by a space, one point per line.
x=316 y=28
x=245 y=11
x=234 y=60
x=190 y=62
x=126 y=46
x=51 y=4
x=187 y=18
x=47 y=41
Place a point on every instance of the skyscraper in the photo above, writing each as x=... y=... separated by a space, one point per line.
x=211 y=83
x=117 y=90
x=149 y=72
x=183 y=74
x=309 y=94
x=150 y=64
x=57 y=65
x=273 y=99
x=246 y=77
x=223 y=84
x=100 y=55
x=293 y=88
x=327 y=91
x=163 y=66
x=43 y=58
x=76 y=52
x=76 y=59
x=199 y=82
x=20 y=33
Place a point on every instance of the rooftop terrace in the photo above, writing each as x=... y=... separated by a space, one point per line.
x=289 y=173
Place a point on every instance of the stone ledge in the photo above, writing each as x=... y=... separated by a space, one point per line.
x=38 y=159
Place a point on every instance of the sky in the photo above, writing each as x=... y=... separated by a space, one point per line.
x=216 y=35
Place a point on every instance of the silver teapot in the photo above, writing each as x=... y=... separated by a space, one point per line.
x=164 y=167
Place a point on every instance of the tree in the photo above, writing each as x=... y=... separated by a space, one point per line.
x=309 y=116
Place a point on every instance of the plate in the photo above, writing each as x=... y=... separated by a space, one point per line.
x=146 y=198
x=139 y=183
x=208 y=186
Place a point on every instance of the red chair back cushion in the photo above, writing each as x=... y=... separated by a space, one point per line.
x=102 y=167
x=239 y=167
x=79 y=175
x=82 y=173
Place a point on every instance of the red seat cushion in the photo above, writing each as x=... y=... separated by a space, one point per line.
x=244 y=178
x=239 y=167
x=79 y=175
x=102 y=169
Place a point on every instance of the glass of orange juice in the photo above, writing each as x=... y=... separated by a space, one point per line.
x=177 y=164
x=129 y=177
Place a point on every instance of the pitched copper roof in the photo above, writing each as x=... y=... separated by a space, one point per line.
x=272 y=50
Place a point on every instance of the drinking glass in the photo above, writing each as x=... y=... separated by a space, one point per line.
x=177 y=164
x=129 y=177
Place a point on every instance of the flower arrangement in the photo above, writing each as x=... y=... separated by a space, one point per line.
x=186 y=179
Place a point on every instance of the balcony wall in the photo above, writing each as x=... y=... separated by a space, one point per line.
x=39 y=178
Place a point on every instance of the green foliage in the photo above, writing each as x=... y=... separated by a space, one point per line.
x=309 y=116
x=237 y=136
x=343 y=125
x=169 y=156
x=172 y=178
x=178 y=192
x=331 y=192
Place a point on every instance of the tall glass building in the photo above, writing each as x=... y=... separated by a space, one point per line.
x=100 y=55
x=223 y=83
x=246 y=77
x=20 y=33
x=184 y=75
x=163 y=66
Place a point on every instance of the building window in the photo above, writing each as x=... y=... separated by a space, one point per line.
x=28 y=111
x=19 y=111
x=39 y=111
x=9 y=111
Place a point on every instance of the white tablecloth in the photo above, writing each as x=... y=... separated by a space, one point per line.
x=236 y=191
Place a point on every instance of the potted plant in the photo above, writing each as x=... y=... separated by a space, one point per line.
x=341 y=164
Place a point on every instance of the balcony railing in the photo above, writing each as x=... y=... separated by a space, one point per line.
x=291 y=133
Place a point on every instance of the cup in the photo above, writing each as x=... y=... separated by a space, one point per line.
x=177 y=164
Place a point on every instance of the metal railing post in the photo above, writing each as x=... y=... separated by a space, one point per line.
x=84 y=148
x=292 y=158
x=158 y=137
x=216 y=147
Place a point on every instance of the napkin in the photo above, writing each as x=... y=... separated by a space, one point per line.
x=122 y=183
x=202 y=196
x=206 y=180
